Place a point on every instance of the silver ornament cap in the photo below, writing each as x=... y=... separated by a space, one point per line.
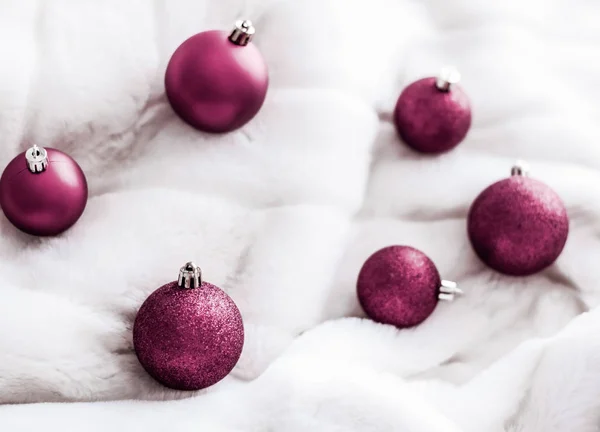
x=447 y=77
x=520 y=168
x=37 y=159
x=449 y=290
x=242 y=33
x=190 y=276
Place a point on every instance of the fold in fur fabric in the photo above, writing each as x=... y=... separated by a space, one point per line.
x=282 y=214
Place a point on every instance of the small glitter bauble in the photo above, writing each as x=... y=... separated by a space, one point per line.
x=433 y=115
x=43 y=191
x=188 y=334
x=518 y=226
x=217 y=82
x=400 y=285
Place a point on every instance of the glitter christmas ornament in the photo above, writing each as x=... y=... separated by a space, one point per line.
x=518 y=226
x=217 y=82
x=400 y=285
x=188 y=334
x=433 y=115
x=43 y=191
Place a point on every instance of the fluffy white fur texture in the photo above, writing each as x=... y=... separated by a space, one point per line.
x=282 y=214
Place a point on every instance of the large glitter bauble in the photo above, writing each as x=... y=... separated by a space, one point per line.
x=430 y=120
x=398 y=285
x=518 y=226
x=188 y=339
x=214 y=84
x=46 y=202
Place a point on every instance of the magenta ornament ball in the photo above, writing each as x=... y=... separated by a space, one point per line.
x=43 y=203
x=518 y=226
x=398 y=285
x=188 y=339
x=214 y=84
x=430 y=120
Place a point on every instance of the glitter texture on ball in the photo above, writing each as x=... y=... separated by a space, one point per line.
x=188 y=339
x=398 y=285
x=215 y=84
x=430 y=120
x=518 y=226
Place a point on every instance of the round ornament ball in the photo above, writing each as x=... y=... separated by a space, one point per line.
x=433 y=115
x=43 y=191
x=518 y=226
x=188 y=334
x=217 y=82
x=401 y=286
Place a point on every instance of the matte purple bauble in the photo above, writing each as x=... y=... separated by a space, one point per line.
x=215 y=84
x=430 y=119
x=188 y=339
x=43 y=203
x=398 y=285
x=518 y=226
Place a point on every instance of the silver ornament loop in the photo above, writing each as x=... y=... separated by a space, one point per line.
x=242 y=33
x=37 y=159
x=190 y=276
x=520 y=168
x=447 y=77
x=449 y=290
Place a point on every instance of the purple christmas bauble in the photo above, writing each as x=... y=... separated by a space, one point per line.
x=217 y=82
x=432 y=118
x=398 y=285
x=43 y=191
x=188 y=338
x=518 y=226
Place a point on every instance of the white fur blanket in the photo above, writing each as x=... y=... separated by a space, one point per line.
x=282 y=214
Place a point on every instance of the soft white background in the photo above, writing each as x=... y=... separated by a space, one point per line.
x=282 y=214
